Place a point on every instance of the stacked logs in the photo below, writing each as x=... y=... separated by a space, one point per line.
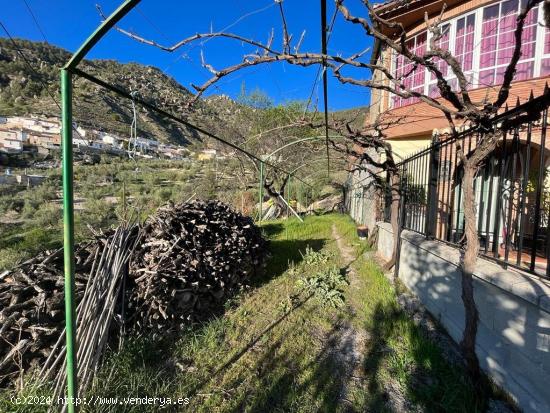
x=32 y=307
x=192 y=256
x=181 y=265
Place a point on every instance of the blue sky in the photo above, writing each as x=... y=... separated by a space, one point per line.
x=67 y=23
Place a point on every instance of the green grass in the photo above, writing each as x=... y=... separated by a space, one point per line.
x=272 y=349
x=400 y=354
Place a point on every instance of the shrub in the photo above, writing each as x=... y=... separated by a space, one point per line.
x=48 y=215
x=162 y=195
x=98 y=213
x=312 y=257
x=326 y=286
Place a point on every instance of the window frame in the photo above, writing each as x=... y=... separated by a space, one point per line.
x=394 y=68
x=537 y=59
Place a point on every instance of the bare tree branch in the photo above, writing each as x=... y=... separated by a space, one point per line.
x=504 y=91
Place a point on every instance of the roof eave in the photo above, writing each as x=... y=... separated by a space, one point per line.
x=376 y=48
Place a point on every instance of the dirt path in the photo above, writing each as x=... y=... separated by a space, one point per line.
x=349 y=350
x=345 y=250
x=350 y=342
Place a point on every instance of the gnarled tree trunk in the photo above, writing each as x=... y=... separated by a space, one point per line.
x=275 y=195
x=395 y=190
x=469 y=260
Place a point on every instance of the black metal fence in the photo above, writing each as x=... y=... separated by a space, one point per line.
x=512 y=190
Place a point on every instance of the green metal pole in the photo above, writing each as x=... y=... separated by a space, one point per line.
x=261 y=190
x=285 y=193
x=68 y=235
x=289 y=195
x=288 y=188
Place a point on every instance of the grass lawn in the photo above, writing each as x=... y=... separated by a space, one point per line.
x=274 y=348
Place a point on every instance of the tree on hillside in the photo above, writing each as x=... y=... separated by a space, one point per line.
x=256 y=99
x=363 y=138
x=275 y=132
x=453 y=101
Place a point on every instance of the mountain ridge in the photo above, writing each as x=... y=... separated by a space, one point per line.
x=26 y=91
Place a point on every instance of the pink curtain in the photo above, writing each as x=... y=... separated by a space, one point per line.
x=464 y=42
x=487 y=60
x=545 y=67
x=414 y=80
x=486 y=77
x=524 y=71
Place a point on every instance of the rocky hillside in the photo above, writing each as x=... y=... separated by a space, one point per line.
x=22 y=92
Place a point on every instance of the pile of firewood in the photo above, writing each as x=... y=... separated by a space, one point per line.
x=175 y=269
x=32 y=308
x=192 y=256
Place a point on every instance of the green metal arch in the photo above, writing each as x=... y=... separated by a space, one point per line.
x=68 y=195
x=98 y=34
x=308 y=163
x=311 y=138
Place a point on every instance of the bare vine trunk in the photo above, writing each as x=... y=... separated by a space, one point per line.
x=394 y=216
x=468 y=343
x=275 y=196
x=469 y=260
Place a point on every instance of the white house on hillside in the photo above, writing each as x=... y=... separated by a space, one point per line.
x=110 y=139
x=11 y=141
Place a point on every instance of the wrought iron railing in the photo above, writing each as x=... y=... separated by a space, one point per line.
x=512 y=189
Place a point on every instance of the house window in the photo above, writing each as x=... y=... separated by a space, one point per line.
x=498 y=42
x=483 y=42
x=464 y=43
x=404 y=70
x=545 y=63
x=444 y=44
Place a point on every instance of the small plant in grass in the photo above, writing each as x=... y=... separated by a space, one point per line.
x=288 y=304
x=9 y=203
x=232 y=302
x=31 y=396
x=293 y=269
x=326 y=286
x=312 y=257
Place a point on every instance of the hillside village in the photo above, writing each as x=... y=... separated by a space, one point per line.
x=19 y=134
x=36 y=135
